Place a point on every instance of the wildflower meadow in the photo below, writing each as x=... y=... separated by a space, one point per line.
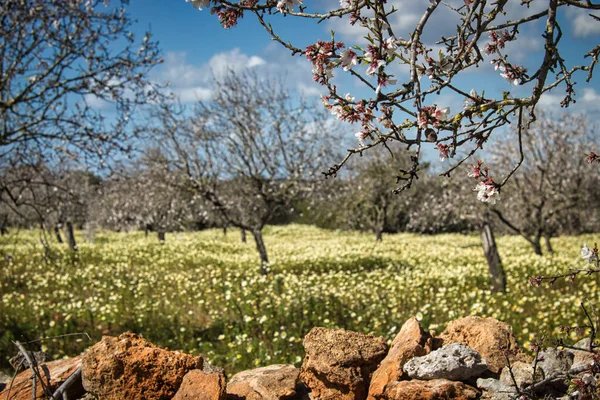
x=202 y=292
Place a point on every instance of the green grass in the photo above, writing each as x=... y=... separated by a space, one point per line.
x=202 y=292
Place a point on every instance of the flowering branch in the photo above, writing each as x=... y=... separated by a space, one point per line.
x=481 y=35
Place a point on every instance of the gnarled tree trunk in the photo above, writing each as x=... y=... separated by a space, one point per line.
x=59 y=238
x=493 y=258
x=262 y=250
x=70 y=236
x=549 y=248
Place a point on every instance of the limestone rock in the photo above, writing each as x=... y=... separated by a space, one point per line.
x=58 y=370
x=411 y=341
x=455 y=362
x=493 y=389
x=582 y=357
x=552 y=360
x=523 y=373
x=338 y=364
x=208 y=383
x=436 y=389
x=129 y=367
x=274 y=382
x=4 y=379
x=485 y=335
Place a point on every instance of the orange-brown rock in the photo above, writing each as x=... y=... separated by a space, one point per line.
x=411 y=341
x=436 y=389
x=486 y=336
x=275 y=382
x=338 y=364
x=131 y=368
x=206 y=384
x=59 y=370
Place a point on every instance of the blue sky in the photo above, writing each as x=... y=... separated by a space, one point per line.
x=194 y=44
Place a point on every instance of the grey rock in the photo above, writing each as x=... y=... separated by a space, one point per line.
x=493 y=389
x=455 y=362
x=552 y=360
x=4 y=379
x=523 y=373
x=581 y=357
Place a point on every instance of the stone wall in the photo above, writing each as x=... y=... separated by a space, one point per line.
x=469 y=360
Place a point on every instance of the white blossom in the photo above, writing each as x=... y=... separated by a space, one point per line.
x=487 y=193
x=348 y=59
x=287 y=5
x=199 y=4
x=361 y=136
x=390 y=46
x=374 y=67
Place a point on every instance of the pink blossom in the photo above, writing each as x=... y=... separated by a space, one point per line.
x=441 y=114
x=361 y=136
x=374 y=67
x=348 y=59
x=487 y=191
x=444 y=150
x=475 y=171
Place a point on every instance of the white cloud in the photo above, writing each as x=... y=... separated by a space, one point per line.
x=234 y=60
x=96 y=102
x=582 y=24
x=588 y=100
x=590 y=96
x=192 y=82
x=189 y=95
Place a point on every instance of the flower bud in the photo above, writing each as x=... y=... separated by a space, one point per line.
x=431 y=135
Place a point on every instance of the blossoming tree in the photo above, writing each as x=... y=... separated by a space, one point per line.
x=405 y=74
x=65 y=66
x=555 y=190
x=248 y=153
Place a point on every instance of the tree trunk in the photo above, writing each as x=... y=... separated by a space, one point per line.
x=549 y=248
x=70 y=236
x=493 y=258
x=224 y=231
x=243 y=236
x=161 y=236
x=57 y=234
x=262 y=251
x=537 y=245
x=378 y=235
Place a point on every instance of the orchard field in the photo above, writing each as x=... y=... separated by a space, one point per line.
x=202 y=292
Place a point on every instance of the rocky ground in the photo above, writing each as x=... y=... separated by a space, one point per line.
x=474 y=358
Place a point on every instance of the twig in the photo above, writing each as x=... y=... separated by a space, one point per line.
x=61 y=391
x=33 y=366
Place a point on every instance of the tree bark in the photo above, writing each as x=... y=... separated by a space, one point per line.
x=161 y=236
x=224 y=231
x=70 y=236
x=549 y=248
x=537 y=244
x=57 y=234
x=262 y=250
x=493 y=258
x=244 y=236
x=379 y=235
